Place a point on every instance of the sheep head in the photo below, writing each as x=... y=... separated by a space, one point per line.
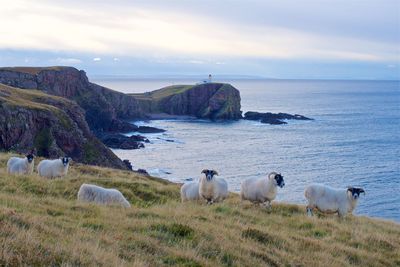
x=65 y=160
x=355 y=192
x=278 y=179
x=30 y=157
x=209 y=174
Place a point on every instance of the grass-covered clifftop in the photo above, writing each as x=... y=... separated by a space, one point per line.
x=216 y=101
x=41 y=224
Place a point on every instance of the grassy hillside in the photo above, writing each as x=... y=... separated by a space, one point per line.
x=34 y=99
x=42 y=224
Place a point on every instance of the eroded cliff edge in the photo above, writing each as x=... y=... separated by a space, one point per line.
x=105 y=109
x=52 y=125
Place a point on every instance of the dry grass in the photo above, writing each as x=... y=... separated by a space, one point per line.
x=32 y=70
x=42 y=224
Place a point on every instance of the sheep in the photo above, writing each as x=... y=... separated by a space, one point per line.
x=53 y=168
x=260 y=190
x=190 y=191
x=102 y=196
x=331 y=200
x=211 y=188
x=21 y=165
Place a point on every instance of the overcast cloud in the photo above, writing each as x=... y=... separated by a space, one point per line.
x=264 y=38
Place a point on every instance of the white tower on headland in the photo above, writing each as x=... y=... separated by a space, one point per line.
x=209 y=78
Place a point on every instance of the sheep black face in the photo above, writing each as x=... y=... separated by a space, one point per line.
x=355 y=192
x=30 y=157
x=279 y=180
x=65 y=160
x=209 y=174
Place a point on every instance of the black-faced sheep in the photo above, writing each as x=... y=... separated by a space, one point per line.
x=262 y=190
x=53 y=168
x=211 y=188
x=332 y=200
x=17 y=165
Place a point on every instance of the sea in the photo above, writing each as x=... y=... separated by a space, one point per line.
x=354 y=139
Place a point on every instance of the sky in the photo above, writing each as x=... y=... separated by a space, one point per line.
x=288 y=39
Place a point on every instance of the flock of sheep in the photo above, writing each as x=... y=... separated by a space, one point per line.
x=210 y=188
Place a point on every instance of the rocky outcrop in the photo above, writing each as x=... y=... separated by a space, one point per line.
x=215 y=101
x=120 y=141
x=273 y=118
x=53 y=125
x=104 y=108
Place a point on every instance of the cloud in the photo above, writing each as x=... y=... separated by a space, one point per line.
x=68 y=61
x=97 y=59
x=196 y=61
x=124 y=29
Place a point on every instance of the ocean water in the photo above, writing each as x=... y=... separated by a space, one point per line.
x=354 y=140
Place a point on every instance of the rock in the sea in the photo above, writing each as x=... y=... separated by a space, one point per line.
x=273 y=118
x=119 y=141
x=119 y=126
x=215 y=101
x=148 y=129
x=143 y=171
x=128 y=164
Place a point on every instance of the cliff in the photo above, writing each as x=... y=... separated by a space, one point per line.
x=215 y=101
x=53 y=125
x=104 y=108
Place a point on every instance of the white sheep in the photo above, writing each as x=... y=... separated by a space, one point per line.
x=190 y=191
x=53 y=168
x=100 y=195
x=262 y=190
x=331 y=200
x=211 y=188
x=21 y=165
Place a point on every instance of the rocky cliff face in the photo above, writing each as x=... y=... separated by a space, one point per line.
x=103 y=107
x=54 y=126
x=215 y=101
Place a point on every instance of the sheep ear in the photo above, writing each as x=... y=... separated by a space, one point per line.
x=215 y=172
x=362 y=191
x=350 y=189
x=204 y=171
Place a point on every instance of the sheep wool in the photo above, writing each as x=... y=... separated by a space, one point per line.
x=102 y=196
x=190 y=191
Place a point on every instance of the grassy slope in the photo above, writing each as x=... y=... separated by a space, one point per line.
x=32 y=70
x=34 y=99
x=42 y=224
x=163 y=92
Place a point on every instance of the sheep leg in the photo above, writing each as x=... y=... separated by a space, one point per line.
x=267 y=205
x=309 y=211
